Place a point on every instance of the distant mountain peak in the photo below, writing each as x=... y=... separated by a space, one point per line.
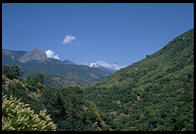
x=34 y=54
x=105 y=66
x=96 y=65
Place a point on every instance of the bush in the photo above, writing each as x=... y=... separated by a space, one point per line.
x=19 y=117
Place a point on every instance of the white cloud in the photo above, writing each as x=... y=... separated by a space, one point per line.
x=68 y=39
x=117 y=67
x=51 y=54
x=109 y=66
x=104 y=64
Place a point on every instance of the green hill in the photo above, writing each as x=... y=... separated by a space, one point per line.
x=68 y=108
x=155 y=93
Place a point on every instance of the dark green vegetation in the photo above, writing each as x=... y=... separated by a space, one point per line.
x=155 y=93
x=12 y=72
x=57 y=74
x=68 y=107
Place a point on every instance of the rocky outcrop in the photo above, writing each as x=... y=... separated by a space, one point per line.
x=34 y=54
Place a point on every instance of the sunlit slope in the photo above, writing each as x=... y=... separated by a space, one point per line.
x=155 y=93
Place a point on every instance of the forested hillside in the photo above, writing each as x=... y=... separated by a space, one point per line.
x=155 y=93
x=98 y=67
x=68 y=108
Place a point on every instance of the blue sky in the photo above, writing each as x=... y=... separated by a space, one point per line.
x=120 y=33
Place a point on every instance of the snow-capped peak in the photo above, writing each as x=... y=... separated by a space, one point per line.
x=105 y=66
x=93 y=65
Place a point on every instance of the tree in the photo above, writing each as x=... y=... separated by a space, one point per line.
x=39 y=78
x=32 y=82
x=147 y=56
x=11 y=72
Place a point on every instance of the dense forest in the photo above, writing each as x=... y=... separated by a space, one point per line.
x=68 y=108
x=153 y=94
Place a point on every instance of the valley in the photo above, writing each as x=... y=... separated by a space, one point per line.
x=153 y=94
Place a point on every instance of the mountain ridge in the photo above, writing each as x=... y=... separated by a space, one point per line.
x=153 y=94
x=65 y=70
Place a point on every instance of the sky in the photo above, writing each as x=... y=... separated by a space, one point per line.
x=111 y=34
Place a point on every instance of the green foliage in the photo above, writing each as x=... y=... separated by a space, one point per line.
x=155 y=93
x=75 y=112
x=67 y=107
x=11 y=72
x=39 y=78
x=19 y=117
x=32 y=82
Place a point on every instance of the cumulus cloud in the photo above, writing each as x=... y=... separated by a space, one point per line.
x=68 y=39
x=109 y=66
x=51 y=54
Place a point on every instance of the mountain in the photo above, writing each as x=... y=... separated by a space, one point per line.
x=57 y=73
x=105 y=66
x=155 y=93
x=11 y=57
x=35 y=55
x=68 y=62
x=96 y=65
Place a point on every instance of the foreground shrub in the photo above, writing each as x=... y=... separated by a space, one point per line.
x=19 y=117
